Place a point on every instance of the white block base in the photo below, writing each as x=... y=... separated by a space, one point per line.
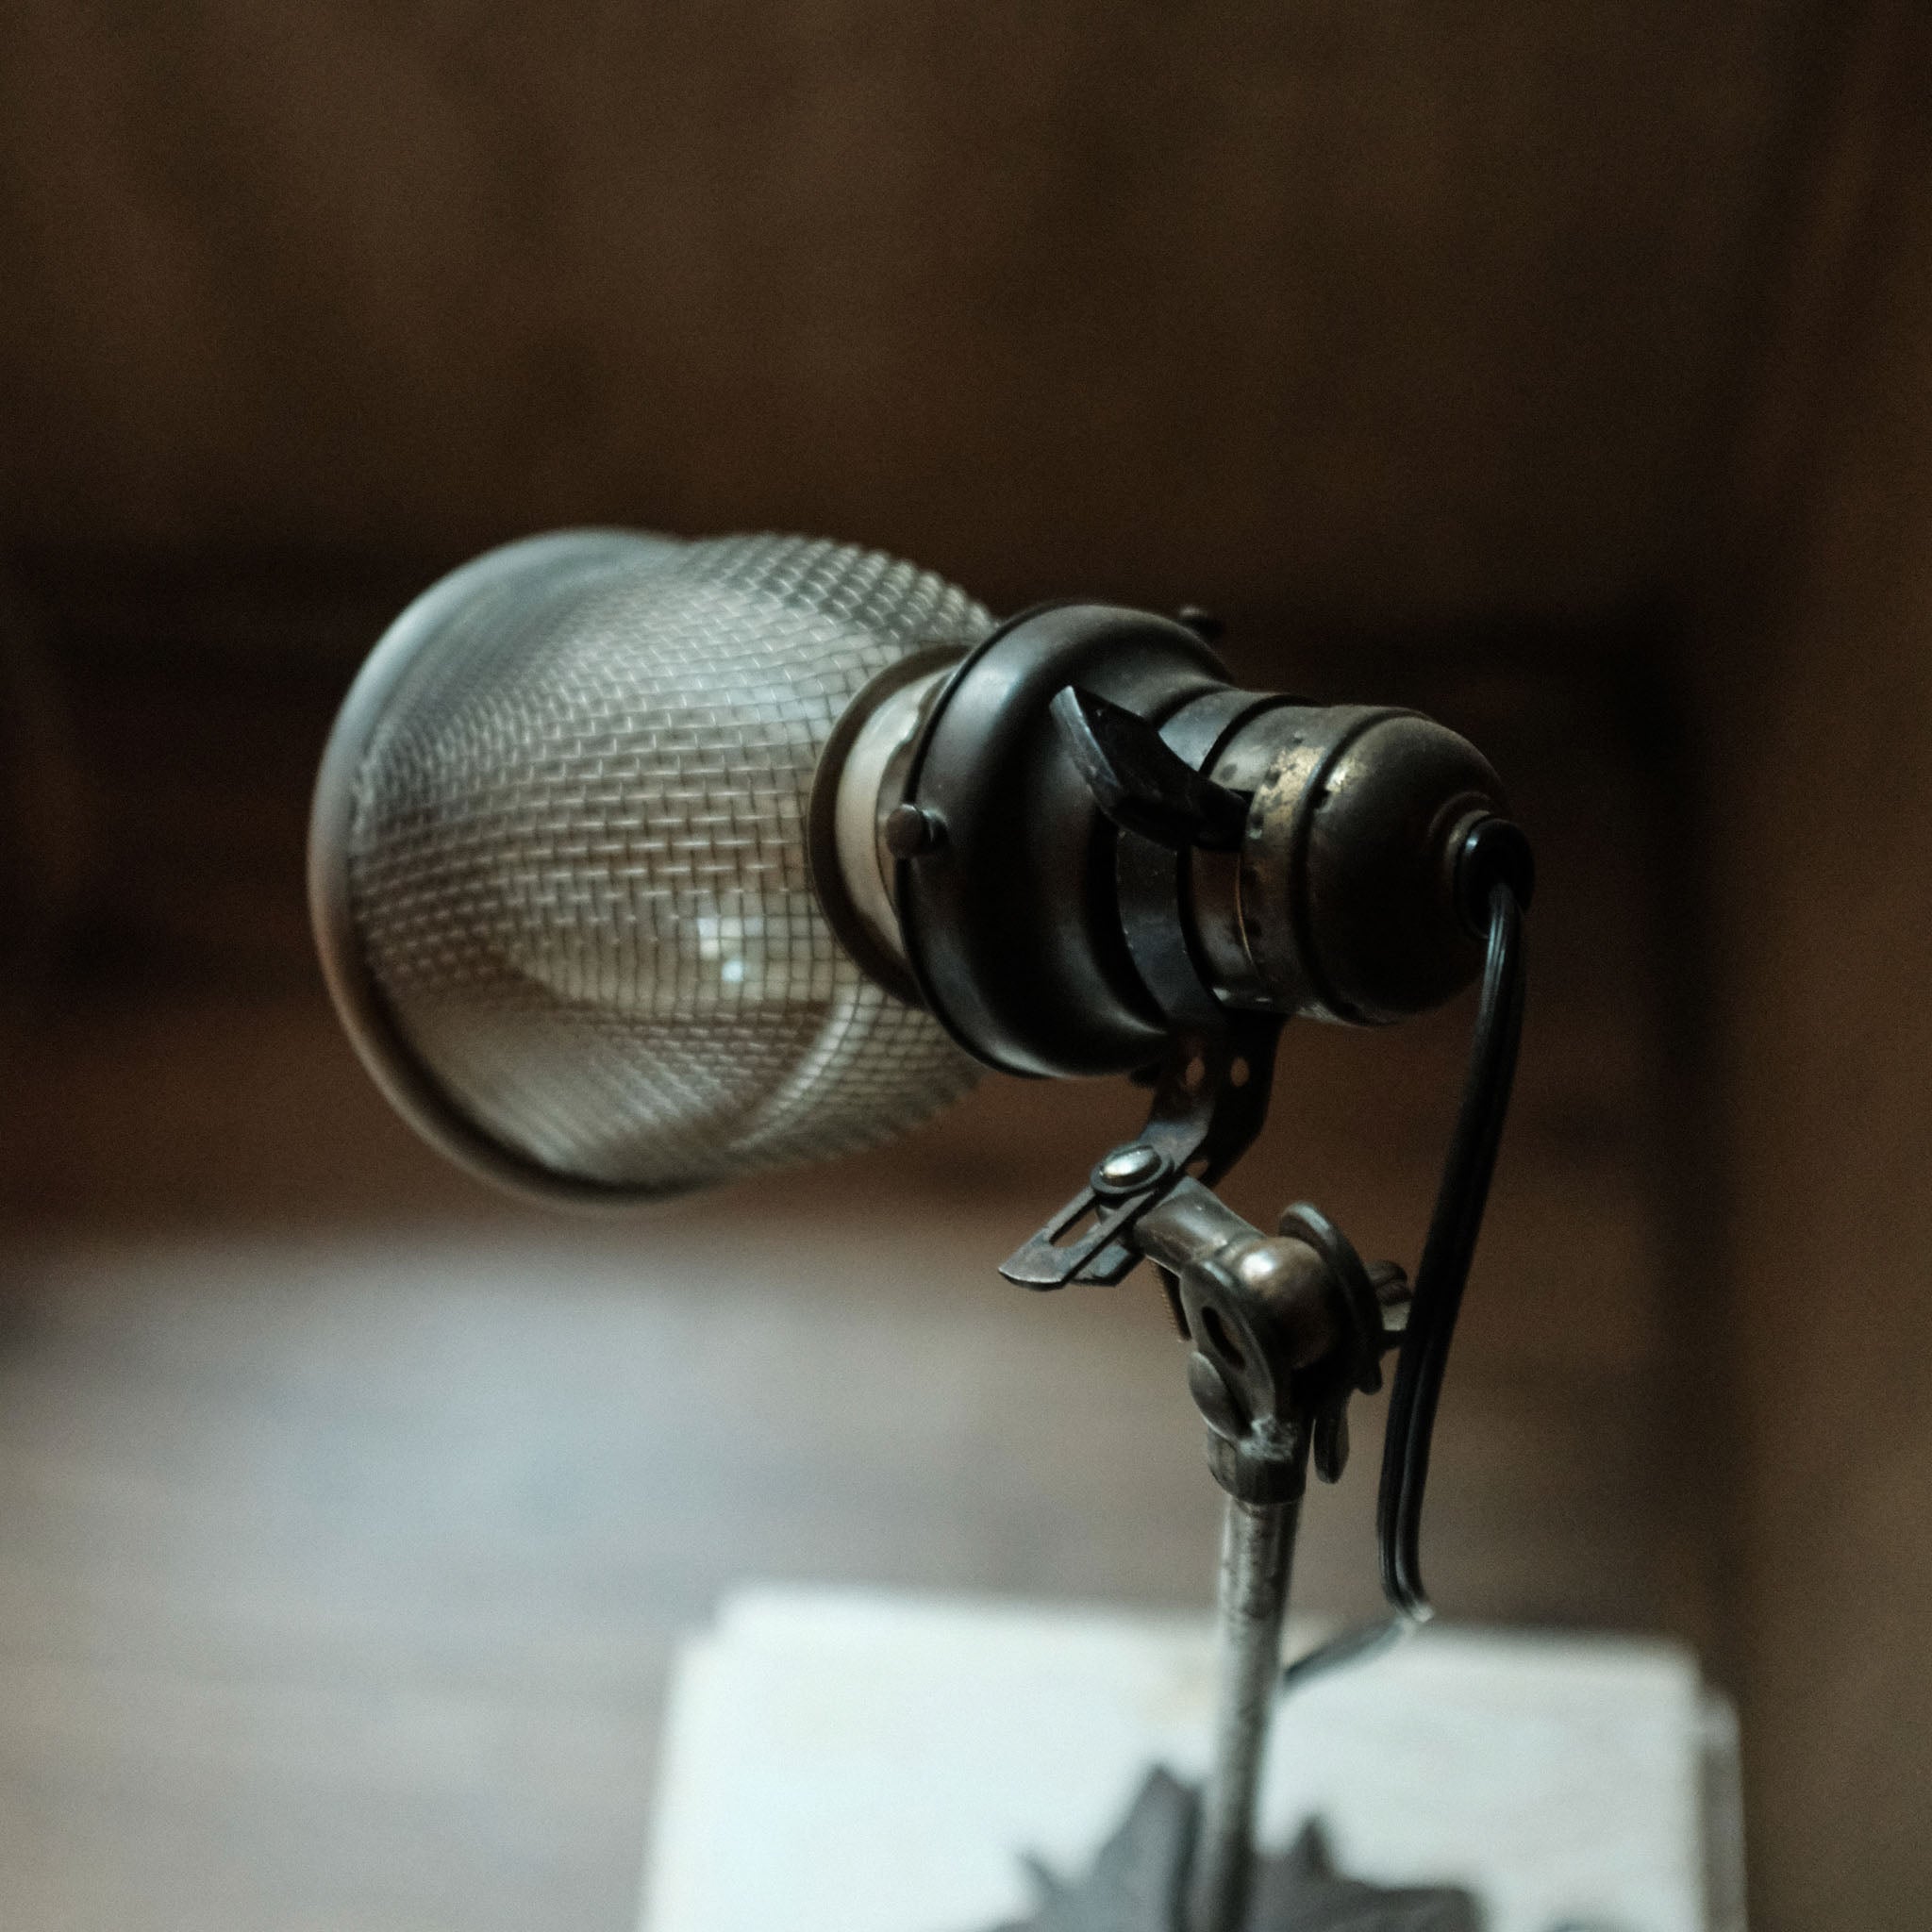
x=842 y=1762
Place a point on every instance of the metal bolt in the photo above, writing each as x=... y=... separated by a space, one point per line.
x=911 y=831
x=1128 y=1167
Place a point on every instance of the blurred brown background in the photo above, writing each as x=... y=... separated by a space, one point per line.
x=1566 y=370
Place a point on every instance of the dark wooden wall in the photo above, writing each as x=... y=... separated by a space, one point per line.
x=1390 y=310
x=1818 y=666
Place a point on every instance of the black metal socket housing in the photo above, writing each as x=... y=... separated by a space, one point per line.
x=1052 y=938
x=1010 y=914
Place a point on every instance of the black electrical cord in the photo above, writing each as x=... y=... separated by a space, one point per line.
x=1446 y=1255
x=1496 y=867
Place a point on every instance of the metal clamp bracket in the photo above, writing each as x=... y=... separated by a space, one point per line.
x=1210 y=1098
x=1284 y=1328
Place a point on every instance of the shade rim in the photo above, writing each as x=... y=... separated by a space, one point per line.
x=379 y=1042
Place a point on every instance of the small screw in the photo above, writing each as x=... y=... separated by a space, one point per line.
x=910 y=832
x=1130 y=1166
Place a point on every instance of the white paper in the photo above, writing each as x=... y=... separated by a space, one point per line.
x=846 y=1762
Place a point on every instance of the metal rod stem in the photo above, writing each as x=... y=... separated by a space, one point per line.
x=1256 y=1562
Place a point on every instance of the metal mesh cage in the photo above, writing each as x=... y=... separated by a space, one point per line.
x=560 y=853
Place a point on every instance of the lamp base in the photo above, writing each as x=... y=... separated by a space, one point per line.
x=872 y=1761
x=1136 y=1879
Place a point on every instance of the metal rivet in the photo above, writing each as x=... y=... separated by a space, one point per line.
x=1128 y=1167
x=911 y=831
